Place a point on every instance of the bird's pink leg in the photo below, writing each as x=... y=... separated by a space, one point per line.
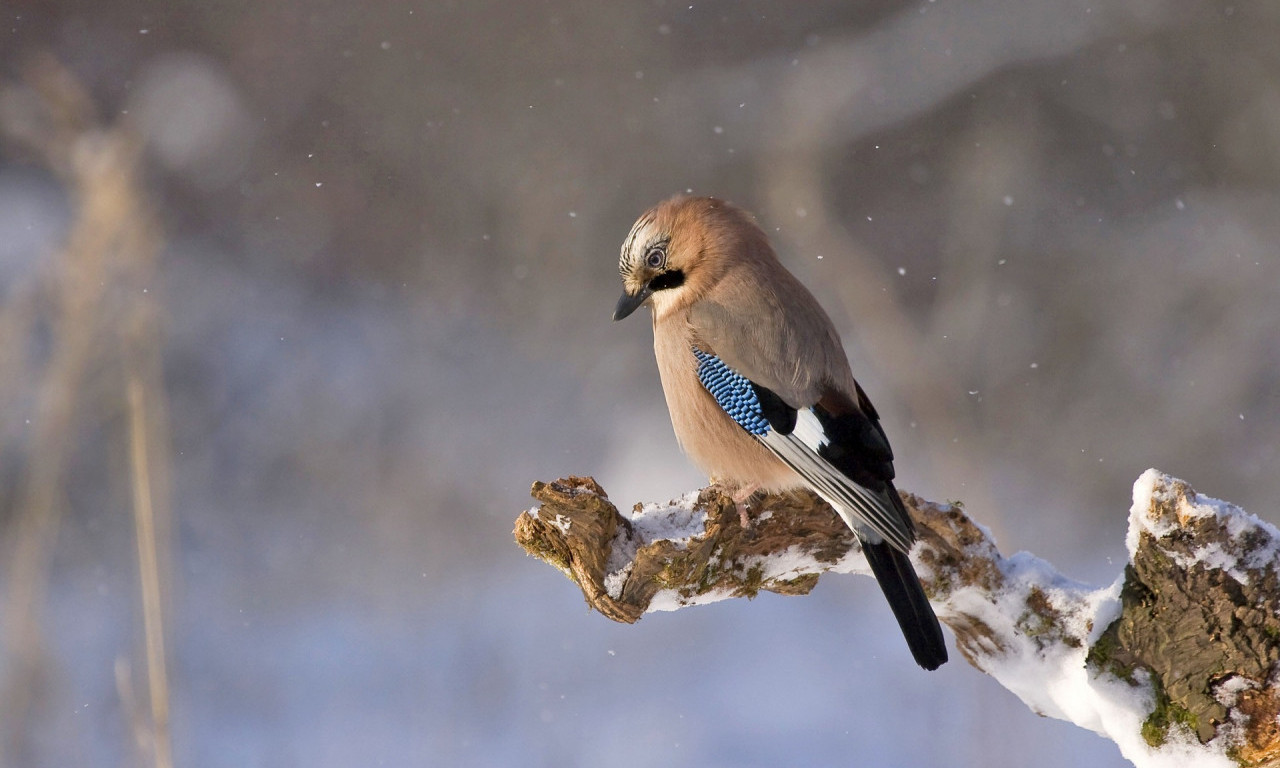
x=740 y=494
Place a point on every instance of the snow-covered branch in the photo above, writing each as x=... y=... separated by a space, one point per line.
x=1176 y=661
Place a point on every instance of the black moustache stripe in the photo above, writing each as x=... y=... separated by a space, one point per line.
x=671 y=279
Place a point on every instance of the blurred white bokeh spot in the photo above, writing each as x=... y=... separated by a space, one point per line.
x=194 y=119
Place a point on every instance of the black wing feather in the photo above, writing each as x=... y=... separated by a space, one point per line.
x=856 y=443
x=775 y=410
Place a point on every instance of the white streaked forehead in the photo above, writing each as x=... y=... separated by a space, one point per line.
x=643 y=232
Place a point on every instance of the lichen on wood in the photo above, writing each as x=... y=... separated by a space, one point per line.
x=576 y=529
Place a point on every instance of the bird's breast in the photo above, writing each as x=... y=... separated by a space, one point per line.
x=710 y=437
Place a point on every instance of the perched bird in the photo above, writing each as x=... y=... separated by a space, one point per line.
x=759 y=388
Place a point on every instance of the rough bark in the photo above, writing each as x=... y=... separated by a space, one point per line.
x=1195 y=624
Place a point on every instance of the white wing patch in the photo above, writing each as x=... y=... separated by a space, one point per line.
x=808 y=429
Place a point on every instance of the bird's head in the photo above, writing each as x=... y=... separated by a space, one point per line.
x=677 y=250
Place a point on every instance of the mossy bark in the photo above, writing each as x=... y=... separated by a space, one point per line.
x=1199 y=631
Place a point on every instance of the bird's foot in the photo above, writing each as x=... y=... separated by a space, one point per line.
x=740 y=500
x=741 y=495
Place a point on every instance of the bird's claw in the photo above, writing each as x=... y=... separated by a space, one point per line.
x=740 y=496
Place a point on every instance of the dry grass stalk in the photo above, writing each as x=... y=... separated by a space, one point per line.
x=149 y=570
x=110 y=250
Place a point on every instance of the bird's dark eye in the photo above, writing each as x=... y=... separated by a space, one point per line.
x=655 y=257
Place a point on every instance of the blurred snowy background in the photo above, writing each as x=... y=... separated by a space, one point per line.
x=377 y=306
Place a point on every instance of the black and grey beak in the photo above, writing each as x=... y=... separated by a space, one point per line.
x=630 y=301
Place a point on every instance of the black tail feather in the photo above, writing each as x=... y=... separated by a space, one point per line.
x=901 y=587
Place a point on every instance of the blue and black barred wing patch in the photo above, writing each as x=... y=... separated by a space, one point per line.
x=733 y=392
